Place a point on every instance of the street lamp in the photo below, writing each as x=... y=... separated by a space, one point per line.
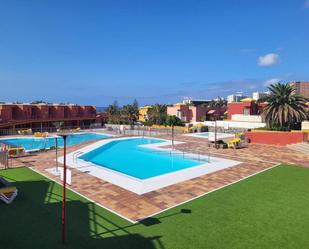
x=63 y=216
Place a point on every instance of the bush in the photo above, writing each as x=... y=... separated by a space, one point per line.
x=273 y=128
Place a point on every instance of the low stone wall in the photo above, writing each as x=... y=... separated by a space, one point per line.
x=277 y=137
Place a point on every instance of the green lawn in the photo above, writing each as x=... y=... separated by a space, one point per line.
x=270 y=210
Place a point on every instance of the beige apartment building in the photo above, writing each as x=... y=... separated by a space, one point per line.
x=301 y=87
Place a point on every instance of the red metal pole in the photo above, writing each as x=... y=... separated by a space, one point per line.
x=56 y=154
x=63 y=220
x=216 y=132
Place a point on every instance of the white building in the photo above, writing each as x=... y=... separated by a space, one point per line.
x=237 y=97
x=191 y=101
x=259 y=95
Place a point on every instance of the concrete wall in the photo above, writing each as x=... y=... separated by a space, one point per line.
x=60 y=111
x=247 y=118
x=5 y=113
x=172 y=110
x=276 y=137
x=239 y=107
x=44 y=111
x=200 y=113
x=305 y=125
x=233 y=124
x=90 y=110
x=190 y=113
x=185 y=110
x=16 y=112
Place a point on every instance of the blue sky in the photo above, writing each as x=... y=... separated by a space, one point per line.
x=94 y=52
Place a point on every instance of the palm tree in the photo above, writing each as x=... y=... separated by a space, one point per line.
x=172 y=121
x=218 y=102
x=129 y=114
x=157 y=114
x=113 y=113
x=284 y=107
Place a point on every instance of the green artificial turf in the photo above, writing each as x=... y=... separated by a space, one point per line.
x=269 y=210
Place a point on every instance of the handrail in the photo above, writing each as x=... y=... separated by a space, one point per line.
x=190 y=155
x=76 y=154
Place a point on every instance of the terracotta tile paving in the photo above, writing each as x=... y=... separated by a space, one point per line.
x=256 y=152
x=134 y=207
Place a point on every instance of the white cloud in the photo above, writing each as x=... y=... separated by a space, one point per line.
x=271 y=81
x=307 y=4
x=268 y=60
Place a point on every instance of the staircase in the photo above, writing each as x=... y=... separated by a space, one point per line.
x=301 y=147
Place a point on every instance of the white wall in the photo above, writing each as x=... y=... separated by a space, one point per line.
x=235 y=124
x=247 y=118
x=305 y=125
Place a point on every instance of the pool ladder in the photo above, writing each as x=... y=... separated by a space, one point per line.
x=76 y=154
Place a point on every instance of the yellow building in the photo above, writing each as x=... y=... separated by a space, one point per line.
x=143 y=113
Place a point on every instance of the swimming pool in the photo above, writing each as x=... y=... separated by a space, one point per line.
x=33 y=143
x=132 y=158
x=142 y=165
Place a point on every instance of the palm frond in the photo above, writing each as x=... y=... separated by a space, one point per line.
x=284 y=108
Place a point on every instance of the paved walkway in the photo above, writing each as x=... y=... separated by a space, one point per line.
x=254 y=152
x=136 y=207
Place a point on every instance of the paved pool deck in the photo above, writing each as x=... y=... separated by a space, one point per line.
x=134 y=207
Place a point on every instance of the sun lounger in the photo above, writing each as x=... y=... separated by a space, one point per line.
x=7 y=192
x=237 y=143
x=41 y=134
x=25 y=132
x=16 y=151
x=233 y=143
x=38 y=134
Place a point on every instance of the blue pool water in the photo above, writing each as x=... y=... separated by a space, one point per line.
x=204 y=134
x=128 y=157
x=48 y=142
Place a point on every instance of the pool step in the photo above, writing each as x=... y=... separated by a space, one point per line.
x=301 y=147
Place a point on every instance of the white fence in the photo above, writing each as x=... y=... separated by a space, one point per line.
x=234 y=124
x=138 y=130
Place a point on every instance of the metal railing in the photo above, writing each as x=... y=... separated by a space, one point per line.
x=4 y=156
x=4 y=160
x=17 y=131
x=76 y=155
x=196 y=156
x=38 y=144
x=142 y=131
